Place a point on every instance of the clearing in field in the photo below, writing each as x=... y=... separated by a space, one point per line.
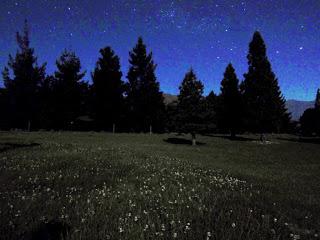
x=136 y=186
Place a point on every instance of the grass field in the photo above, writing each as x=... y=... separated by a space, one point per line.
x=136 y=186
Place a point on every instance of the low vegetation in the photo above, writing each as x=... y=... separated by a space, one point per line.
x=136 y=186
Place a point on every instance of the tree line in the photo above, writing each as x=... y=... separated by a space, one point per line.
x=310 y=120
x=33 y=100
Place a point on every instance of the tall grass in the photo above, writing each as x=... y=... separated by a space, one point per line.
x=98 y=186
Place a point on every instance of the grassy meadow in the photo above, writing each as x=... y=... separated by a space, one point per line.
x=138 y=186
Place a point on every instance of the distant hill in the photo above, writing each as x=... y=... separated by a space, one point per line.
x=169 y=98
x=296 y=107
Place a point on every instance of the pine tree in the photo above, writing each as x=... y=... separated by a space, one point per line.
x=189 y=109
x=310 y=119
x=308 y=122
x=107 y=90
x=317 y=101
x=170 y=121
x=47 y=103
x=265 y=105
x=145 y=100
x=230 y=102
x=23 y=88
x=210 y=107
x=68 y=90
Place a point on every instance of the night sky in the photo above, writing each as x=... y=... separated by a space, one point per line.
x=206 y=35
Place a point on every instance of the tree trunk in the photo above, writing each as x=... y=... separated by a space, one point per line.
x=114 y=128
x=29 y=125
x=194 y=142
x=262 y=137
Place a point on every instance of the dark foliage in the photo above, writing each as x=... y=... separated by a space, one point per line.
x=230 y=103
x=68 y=91
x=210 y=106
x=47 y=103
x=22 y=85
x=310 y=120
x=63 y=101
x=265 y=106
x=170 y=121
x=144 y=98
x=190 y=113
x=107 y=91
x=5 y=124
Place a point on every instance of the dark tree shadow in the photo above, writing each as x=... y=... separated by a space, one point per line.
x=181 y=141
x=53 y=230
x=236 y=138
x=11 y=146
x=314 y=140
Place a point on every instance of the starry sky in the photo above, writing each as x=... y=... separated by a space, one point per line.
x=203 y=34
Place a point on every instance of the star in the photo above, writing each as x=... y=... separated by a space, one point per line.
x=207 y=29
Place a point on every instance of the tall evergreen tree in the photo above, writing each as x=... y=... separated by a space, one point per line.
x=230 y=102
x=47 y=103
x=210 y=107
x=68 y=90
x=107 y=90
x=145 y=100
x=189 y=109
x=265 y=105
x=310 y=119
x=23 y=88
x=170 y=121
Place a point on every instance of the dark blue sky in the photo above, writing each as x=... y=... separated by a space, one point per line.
x=204 y=34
